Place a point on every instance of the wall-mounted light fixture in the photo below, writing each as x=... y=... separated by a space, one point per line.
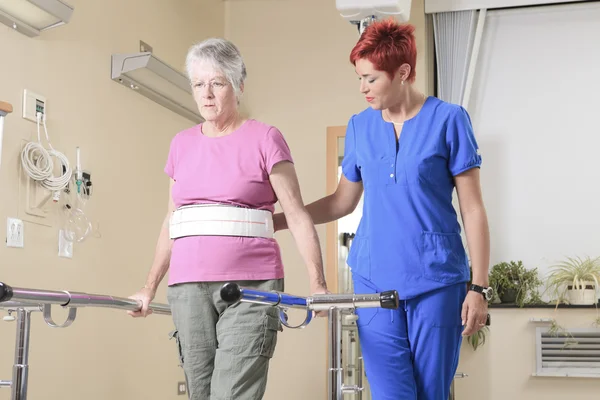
x=156 y=80
x=31 y=17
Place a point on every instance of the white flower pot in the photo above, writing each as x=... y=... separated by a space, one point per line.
x=582 y=296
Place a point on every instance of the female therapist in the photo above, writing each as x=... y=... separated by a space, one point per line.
x=409 y=151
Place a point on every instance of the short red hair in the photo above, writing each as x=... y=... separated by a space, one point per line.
x=387 y=44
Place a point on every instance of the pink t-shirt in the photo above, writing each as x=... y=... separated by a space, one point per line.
x=232 y=169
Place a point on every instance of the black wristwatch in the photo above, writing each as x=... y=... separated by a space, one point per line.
x=486 y=292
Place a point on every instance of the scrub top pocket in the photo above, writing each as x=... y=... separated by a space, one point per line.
x=443 y=257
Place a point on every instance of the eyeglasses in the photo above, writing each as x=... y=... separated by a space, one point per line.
x=214 y=85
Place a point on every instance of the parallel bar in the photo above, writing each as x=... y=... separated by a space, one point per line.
x=34 y=297
x=335 y=373
x=15 y=305
x=94 y=300
x=21 y=366
x=388 y=299
x=25 y=301
x=232 y=293
x=270 y=298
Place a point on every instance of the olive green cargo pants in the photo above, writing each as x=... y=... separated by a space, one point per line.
x=224 y=350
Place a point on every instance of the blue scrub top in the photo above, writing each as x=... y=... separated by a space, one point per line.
x=409 y=238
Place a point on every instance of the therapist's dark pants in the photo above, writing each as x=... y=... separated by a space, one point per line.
x=411 y=353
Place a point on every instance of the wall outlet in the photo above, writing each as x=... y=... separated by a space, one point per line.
x=181 y=388
x=14 y=232
x=32 y=104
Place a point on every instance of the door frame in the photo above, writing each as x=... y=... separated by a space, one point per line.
x=334 y=133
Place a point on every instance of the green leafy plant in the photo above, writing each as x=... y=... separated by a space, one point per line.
x=478 y=338
x=574 y=274
x=513 y=283
x=557 y=330
x=568 y=277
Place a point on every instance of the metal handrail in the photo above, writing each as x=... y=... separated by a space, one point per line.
x=233 y=293
x=24 y=297
x=25 y=301
x=334 y=304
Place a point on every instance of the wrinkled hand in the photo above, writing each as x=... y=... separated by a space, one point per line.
x=474 y=313
x=145 y=296
x=320 y=290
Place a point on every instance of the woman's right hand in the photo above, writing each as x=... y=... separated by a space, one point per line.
x=145 y=296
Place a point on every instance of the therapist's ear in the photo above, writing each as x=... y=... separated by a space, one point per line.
x=403 y=72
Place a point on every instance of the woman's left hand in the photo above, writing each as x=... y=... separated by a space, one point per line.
x=474 y=313
x=316 y=291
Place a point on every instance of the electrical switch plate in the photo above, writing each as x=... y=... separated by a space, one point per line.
x=14 y=232
x=65 y=246
x=32 y=104
x=181 y=388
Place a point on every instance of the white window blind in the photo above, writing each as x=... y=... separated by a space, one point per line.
x=453 y=33
x=535 y=107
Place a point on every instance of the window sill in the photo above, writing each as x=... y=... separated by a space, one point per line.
x=549 y=305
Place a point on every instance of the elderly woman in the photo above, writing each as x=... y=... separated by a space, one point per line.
x=409 y=152
x=226 y=176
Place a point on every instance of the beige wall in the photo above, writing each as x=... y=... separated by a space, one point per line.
x=300 y=79
x=105 y=354
x=502 y=368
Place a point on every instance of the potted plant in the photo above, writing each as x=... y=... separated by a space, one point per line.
x=513 y=283
x=575 y=280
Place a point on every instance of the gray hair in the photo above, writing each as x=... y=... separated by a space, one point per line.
x=224 y=55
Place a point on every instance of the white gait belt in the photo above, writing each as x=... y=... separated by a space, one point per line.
x=220 y=220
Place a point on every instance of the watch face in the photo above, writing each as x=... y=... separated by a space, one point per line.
x=488 y=293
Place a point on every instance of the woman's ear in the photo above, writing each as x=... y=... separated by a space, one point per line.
x=239 y=95
x=403 y=72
